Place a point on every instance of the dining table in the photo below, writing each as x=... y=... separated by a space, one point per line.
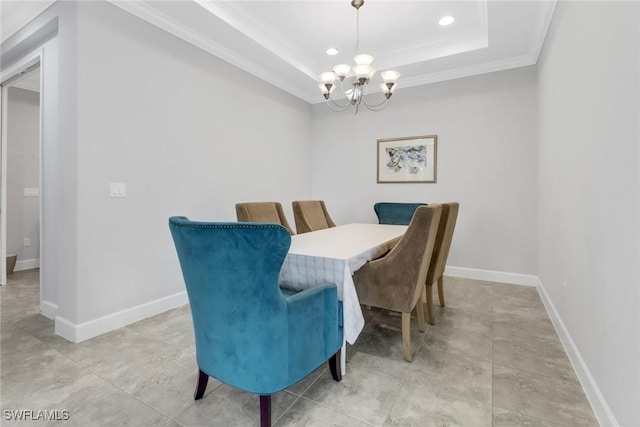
x=332 y=255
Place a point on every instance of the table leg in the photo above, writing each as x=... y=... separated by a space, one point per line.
x=343 y=357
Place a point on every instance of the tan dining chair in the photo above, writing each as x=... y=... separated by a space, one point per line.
x=262 y=212
x=439 y=257
x=311 y=215
x=396 y=281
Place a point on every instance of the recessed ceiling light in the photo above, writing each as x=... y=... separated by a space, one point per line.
x=332 y=51
x=446 y=20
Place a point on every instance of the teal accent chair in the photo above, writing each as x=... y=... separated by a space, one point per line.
x=249 y=333
x=395 y=213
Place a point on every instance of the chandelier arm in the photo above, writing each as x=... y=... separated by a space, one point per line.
x=372 y=107
x=384 y=105
x=338 y=108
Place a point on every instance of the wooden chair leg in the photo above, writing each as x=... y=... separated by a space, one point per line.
x=430 y=313
x=422 y=327
x=334 y=366
x=201 y=386
x=441 y=290
x=406 y=336
x=265 y=410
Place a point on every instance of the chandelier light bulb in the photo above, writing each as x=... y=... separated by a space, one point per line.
x=363 y=59
x=390 y=76
x=342 y=70
x=328 y=78
x=363 y=71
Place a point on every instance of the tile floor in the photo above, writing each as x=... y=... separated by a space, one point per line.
x=493 y=358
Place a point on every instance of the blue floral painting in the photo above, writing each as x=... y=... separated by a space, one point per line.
x=411 y=158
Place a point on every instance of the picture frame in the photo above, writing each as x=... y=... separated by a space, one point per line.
x=411 y=159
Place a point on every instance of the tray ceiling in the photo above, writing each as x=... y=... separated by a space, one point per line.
x=284 y=42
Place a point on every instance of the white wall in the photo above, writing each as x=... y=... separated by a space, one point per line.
x=189 y=135
x=23 y=157
x=487 y=160
x=590 y=195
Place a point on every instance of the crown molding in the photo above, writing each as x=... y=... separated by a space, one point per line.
x=543 y=20
x=487 y=67
x=259 y=33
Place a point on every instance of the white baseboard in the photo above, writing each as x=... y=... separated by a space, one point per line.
x=27 y=264
x=48 y=309
x=84 y=331
x=598 y=403
x=492 y=276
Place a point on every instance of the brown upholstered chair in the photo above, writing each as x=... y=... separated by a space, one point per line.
x=440 y=255
x=262 y=212
x=311 y=215
x=396 y=281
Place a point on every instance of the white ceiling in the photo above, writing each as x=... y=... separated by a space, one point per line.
x=284 y=42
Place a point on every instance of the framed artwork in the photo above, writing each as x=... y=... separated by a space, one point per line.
x=410 y=159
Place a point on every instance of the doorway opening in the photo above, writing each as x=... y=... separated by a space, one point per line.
x=21 y=210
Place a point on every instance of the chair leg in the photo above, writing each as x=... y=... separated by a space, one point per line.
x=441 y=290
x=334 y=366
x=422 y=327
x=265 y=410
x=430 y=313
x=201 y=386
x=406 y=336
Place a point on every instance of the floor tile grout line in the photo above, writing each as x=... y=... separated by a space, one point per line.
x=298 y=397
x=337 y=411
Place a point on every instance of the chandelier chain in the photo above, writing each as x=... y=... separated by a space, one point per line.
x=357 y=48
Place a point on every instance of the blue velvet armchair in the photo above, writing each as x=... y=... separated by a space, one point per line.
x=250 y=334
x=395 y=213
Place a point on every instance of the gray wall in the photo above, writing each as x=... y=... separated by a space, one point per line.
x=487 y=160
x=23 y=157
x=189 y=135
x=590 y=192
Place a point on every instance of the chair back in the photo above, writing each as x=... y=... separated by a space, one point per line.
x=400 y=275
x=443 y=241
x=311 y=215
x=270 y=212
x=395 y=213
x=231 y=274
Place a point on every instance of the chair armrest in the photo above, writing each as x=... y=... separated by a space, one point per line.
x=315 y=323
x=374 y=284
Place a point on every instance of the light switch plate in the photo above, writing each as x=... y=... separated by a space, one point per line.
x=31 y=192
x=118 y=189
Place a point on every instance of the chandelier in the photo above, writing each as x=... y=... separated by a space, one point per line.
x=355 y=86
